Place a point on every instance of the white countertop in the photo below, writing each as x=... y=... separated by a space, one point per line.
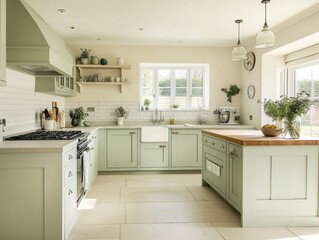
x=59 y=145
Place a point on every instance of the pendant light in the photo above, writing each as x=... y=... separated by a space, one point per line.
x=239 y=52
x=265 y=38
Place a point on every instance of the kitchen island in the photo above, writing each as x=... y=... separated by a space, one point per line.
x=271 y=181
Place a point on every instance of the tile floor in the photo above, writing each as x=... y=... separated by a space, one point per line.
x=165 y=207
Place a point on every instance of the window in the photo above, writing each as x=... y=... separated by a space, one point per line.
x=175 y=86
x=306 y=78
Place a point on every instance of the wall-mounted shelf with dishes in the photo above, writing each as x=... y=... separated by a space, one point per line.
x=101 y=75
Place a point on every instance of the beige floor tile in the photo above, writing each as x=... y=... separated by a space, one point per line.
x=206 y=211
x=109 y=181
x=156 y=194
x=256 y=233
x=110 y=232
x=104 y=194
x=100 y=213
x=306 y=233
x=163 y=180
x=173 y=231
x=204 y=193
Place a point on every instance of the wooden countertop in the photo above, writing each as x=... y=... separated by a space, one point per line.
x=256 y=138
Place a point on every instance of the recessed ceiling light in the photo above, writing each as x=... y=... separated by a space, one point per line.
x=99 y=39
x=72 y=27
x=61 y=10
x=141 y=29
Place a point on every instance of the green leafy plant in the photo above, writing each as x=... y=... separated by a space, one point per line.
x=147 y=102
x=233 y=91
x=287 y=109
x=85 y=53
x=174 y=106
x=78 y=113
x=120 y=112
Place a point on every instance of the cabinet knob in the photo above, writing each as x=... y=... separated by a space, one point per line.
x=91 y=164
x=132 y=132
x=174 y=132
x=70 y=174
x=222 y=146
x=162 y=146
x=70 y=192
x=70 y=157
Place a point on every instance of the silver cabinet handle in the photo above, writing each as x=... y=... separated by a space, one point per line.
x=162 y=146
x=132 y=133
x=70 y=192
x=174 y=132
x=70 y=157
x=94 y=137
x=70 y=174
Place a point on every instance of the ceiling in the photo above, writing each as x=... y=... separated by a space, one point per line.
x=167 y=22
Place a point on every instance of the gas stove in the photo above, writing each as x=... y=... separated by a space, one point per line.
x=46 y=135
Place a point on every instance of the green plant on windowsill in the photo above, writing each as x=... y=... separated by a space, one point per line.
x=147 y=103
x=77 y=115
x=175 y=106
x=233 y=91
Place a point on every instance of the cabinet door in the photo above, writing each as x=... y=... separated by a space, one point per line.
x=235 y=166
x=70 y=206
x=122 y=148
x=93 y=156
x=154 y=155
x=186 y=148
x=3 y=45
x=101 y=150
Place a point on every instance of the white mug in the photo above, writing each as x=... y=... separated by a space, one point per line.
x=120 y=61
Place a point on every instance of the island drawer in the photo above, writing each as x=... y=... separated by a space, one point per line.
x=69 y=172
x=215 y=143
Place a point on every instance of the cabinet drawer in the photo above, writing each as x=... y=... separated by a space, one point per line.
x=69 y=156
x=69 y=172
x=70 y=199
x=217 y=144
x=234 y=150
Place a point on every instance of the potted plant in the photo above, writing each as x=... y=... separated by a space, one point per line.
x=77 y=116
x=120 y=113
x=147 y=103
x=175 y=106
x=288 y=110
x=85 y=55
x=233 y=91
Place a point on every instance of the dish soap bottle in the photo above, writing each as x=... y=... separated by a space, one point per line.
x=171 y=120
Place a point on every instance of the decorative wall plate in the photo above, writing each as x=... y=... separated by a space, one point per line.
x=251 y=91
x=249 y=63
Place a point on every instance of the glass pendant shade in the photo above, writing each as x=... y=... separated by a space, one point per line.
x=265 y=38
x=239 y=53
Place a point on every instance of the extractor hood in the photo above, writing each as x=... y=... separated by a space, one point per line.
x=32 y=46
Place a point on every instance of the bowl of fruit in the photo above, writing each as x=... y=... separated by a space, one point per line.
x=271 y=130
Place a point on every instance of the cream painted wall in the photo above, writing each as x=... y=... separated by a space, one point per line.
x=266 y=66
x=223 y=72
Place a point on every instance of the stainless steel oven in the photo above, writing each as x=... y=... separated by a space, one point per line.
x=82 y=153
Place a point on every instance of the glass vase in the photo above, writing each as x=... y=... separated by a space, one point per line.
x=291 y=129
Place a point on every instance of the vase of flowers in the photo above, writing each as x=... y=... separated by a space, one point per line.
x=288 y=110
x=120 y=113
x=85 y=56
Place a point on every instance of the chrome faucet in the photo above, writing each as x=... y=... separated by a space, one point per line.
x=158 y=119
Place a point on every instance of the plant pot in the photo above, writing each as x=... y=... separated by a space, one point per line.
x=84 y=60
x=291 y=129
x=94 y=60
x=120 y=121
x=75 y=122
x=103 y=61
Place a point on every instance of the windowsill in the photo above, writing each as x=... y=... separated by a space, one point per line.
x=175 y=110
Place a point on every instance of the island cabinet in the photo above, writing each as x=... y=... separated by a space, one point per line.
x=186 y=149
x=154 y=156
x=3 y=45
x=270 y=181
x=38 y=190
x=122 y=148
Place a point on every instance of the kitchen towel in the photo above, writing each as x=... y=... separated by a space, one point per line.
x=86 y=170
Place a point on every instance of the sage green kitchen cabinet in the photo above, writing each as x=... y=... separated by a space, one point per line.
x=154 y=155
x=122 y=148
x=3 y=45
x=235 y=175
x=92 y=156
x=215 y=166
x=186 y=149
x=101 y=150
x=61 y=86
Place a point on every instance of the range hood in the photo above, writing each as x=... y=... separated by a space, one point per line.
x=32 y=46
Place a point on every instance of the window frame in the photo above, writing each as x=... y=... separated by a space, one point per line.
x=155 y=67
